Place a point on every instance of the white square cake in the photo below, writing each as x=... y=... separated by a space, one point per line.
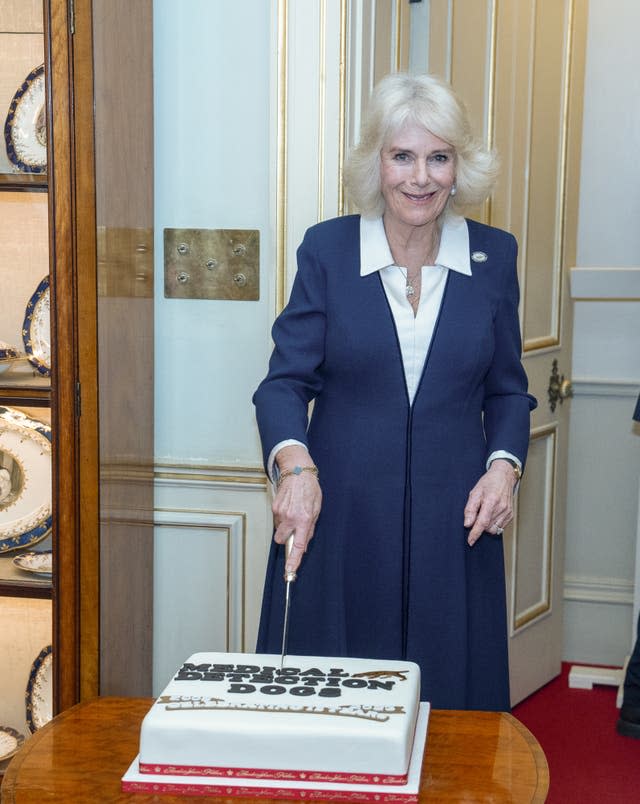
x=239 y=715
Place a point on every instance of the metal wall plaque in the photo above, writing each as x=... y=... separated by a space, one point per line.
x=212 y=264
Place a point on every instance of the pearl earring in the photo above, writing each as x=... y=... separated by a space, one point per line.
x=454 y=190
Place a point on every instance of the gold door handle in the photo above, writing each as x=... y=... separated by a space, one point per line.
x=559 y=389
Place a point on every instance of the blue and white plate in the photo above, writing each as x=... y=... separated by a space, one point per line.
x=10 y=742
x=39 y=562
x=36 y=329
x=25 y=480
x=9 y=356
x=7 y=352
x=39 y=695
x=25 y=129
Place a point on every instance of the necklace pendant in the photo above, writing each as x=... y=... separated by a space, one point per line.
x=409 y=290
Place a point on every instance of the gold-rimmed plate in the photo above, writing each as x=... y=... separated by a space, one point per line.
x=25 y=129
x=39 y=694
x=25 y=480
x=7 y=352
x=10 y=742
x=36 y=329
x=38 y=562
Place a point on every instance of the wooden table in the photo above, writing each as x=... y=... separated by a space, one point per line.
x=81 y=755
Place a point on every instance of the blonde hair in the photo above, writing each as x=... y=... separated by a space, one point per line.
x=428 y=102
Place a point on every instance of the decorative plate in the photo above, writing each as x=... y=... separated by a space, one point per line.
x=7 y=352
x=36 y=329
x=25 y=130
x=39 y=695
x=39 y=562
x=10 y=742
x=25 y=480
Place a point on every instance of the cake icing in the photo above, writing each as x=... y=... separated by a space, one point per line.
x=239 y=714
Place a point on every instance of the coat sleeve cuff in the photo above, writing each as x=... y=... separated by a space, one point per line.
x=272 y=466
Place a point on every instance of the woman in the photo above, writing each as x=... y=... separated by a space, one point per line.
x=402 y=328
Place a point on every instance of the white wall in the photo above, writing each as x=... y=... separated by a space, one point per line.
x=253 y=110
x=212 y=170
x=213 y=158
x=604 y=451
x=233 y=149
x=608 y=232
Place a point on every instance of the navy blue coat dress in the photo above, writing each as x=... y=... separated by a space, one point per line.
x=389 y=574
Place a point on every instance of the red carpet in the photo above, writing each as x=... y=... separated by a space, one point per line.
x=589 y=762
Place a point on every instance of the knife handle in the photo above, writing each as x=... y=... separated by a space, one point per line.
x=288 y=547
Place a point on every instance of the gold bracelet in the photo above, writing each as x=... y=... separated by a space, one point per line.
x=298 y=470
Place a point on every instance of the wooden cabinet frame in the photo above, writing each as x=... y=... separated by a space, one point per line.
x=74 y=333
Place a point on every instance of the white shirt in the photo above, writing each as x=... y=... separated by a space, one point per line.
x=414 y=331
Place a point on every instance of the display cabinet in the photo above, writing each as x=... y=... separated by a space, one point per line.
x=76 y=336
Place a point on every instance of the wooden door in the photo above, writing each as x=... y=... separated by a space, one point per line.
x=520 y=68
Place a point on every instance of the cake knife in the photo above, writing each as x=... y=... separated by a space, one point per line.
x=289 y=577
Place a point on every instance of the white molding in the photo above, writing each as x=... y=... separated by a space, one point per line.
x=230 y=476
x=621 y=283
x=311 y=120
x=215 y=541
x=197 y=481
x=232 y=505
x=230 y=528
x=594 y=589
x=592 y=386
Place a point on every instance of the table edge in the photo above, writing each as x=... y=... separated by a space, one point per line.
x=8 y=784
x=542 y=766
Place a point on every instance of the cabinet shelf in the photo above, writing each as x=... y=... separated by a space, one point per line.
x=13 y=583
x=28 y=182
x=30 y=391
x=31 y=589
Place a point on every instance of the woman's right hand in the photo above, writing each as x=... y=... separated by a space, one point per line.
x=296 y=505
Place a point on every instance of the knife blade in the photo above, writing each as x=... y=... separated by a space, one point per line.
x=289 y=577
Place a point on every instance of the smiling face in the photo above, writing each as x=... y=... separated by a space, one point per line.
x=417 y=172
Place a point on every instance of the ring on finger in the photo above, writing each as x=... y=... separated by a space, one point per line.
x=499 y=530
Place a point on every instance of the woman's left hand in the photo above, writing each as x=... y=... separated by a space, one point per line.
x=490 y=504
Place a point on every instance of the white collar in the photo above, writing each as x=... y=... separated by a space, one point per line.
x=453 y=252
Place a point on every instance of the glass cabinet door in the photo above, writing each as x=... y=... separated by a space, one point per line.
x=26 y=520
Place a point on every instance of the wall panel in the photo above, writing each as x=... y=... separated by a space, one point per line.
x=533 y=537
x=213 y=530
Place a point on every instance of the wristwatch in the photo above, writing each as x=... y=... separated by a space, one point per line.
x=516 y=469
